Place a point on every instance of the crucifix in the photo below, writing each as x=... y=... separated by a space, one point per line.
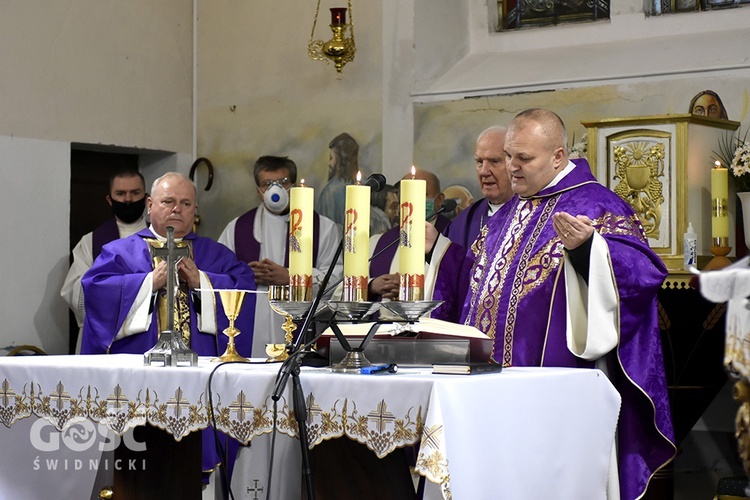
x=170 y=349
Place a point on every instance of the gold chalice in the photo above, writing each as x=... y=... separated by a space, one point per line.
x=232 y=302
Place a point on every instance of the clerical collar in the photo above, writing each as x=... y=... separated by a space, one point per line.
x=568 y=169
x=492 y=208
x=126 y=229
x=158 y=236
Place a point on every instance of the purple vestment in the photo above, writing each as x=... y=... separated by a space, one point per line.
x=112 y=283
x=103 y=234
x=517 y=295
x=465 y=228
x=247 y=248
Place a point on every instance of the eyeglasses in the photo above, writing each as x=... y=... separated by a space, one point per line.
x=284 y=182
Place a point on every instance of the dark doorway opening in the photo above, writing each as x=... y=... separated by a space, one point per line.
x=89 y=184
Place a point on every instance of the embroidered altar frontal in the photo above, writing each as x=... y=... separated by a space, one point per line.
x=382 y=412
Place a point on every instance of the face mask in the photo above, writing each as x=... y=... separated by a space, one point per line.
x=276 y=199
x=128 y=212
x=429 y=207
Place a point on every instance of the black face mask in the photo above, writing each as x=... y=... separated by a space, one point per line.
x=128 y=212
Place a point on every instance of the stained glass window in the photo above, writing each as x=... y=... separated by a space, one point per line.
x=516 y=14
x=658 y=7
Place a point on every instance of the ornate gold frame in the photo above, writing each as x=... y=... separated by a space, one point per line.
x=677 y=165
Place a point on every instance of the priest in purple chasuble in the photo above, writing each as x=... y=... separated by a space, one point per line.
x=566 y=278
x=122 y=287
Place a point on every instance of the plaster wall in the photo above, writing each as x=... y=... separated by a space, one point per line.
x=104 y=73
x=35 y=255
x=98 y=72
x=260 y=94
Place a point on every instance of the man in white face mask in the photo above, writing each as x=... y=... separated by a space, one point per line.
x=260 y=237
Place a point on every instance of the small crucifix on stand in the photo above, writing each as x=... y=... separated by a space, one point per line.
x=170 y=349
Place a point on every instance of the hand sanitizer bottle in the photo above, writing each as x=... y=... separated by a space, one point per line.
x=690 y=247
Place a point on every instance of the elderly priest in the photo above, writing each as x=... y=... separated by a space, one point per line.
x=125 y=288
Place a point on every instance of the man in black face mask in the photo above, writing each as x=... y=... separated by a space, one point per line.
x=127 y=197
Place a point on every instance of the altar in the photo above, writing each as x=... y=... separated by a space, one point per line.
x=521 y=433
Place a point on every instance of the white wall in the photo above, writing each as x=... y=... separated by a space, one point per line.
x=98 y=72
x=36 y=209
x=629 y=47
x=260 y=94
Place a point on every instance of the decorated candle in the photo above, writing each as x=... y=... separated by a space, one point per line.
x=412 y=238
x=356 y=241
x=719 y=195
x=301 y=241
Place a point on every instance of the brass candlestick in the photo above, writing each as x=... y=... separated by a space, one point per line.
x=719 y=248
x=300 y=288
x=232 y=302
x=355 y=289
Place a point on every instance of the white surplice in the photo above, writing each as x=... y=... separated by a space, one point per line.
x=83 y=259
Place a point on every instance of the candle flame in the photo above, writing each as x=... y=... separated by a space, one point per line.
x=359 y=177
x=413 y=171
x=717 y=164
x=302 y=182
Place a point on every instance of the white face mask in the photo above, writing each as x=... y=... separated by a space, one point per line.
x=276 y=199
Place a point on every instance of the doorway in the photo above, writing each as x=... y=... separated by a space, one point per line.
x=90 y=171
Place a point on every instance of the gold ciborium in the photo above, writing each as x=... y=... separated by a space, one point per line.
x=232 y=302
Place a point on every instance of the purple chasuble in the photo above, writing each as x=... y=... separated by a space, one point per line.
x=247 y=247
x=517 y=296
x=104 y=234
x=112 y=283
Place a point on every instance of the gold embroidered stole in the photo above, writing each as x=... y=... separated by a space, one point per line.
x=182 y=300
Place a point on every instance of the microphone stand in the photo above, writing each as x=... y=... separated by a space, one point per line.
x=291 y=366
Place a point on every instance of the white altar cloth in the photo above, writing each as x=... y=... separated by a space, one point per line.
x=522 y=433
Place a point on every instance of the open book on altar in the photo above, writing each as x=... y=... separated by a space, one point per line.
x=423 y=343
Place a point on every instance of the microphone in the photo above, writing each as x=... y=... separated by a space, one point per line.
x=376 y=182
x=449 y=205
